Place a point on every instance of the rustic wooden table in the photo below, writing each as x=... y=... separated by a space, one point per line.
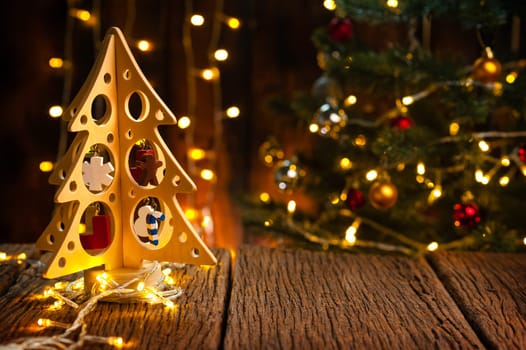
x=295 y=299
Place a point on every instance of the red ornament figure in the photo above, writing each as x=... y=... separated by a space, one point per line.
x=466 y=215
x=355 y=199
x=340 y=29
x=522 y=152
x=402 y=122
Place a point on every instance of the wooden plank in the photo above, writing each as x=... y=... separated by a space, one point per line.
x=293 y=299
x=490 y=289
x=9 y=270
x=196 y=322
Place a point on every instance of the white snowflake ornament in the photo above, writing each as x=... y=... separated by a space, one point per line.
x=96 y=173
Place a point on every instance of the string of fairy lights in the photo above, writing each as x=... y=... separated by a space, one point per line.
x=76 y=295
x=483 y=75
x=201 y=162
x=164 y=291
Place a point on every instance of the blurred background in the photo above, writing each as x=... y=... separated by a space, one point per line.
x=269 y=53
x=233 y=73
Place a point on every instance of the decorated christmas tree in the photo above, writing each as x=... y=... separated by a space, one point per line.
x=410 y=146
x=116 y=205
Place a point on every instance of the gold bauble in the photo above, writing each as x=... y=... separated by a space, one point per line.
x=486 y=70
x=383 y=194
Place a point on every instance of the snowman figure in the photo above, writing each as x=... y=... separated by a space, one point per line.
x=146 y=226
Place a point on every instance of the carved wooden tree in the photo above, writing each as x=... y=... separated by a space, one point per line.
x=118 y=179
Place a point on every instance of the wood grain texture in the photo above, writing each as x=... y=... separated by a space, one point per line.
x=490 y=289
x=9 y=270
x=196 y=322
x=292 y=299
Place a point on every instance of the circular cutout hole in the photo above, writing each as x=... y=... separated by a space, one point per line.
x=135 y=106
x=107 y=78
x=127 y=74
x=73 y=112
x=61 y=226
x=72 y=186
x=183 y=237
x=100 y=109
x=129 y=134
x=83 y=119
x=195 y=252
x=50 y=239
x=159 y=115
x=62 y=262
x=112 y=197
x=71 y=245
x=110 y=138
x=176 y=180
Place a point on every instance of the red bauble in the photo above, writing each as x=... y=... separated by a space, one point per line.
x=402 y=122
x=522 y=152
x=355 y=199
x=466 y=215
x=340 y=29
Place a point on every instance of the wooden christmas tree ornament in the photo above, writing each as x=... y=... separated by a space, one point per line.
x=138 y=219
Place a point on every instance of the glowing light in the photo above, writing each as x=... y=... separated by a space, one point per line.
x=264 y=197
x=454 y=128
x=207 y=174
x=345 y=163
x=392 y=3
x=210 y=73
x=232 y=112
x=350 y=233
x=140 y=286
x=483 y=145
x=432 y=246
x=56 y=62
x=83 y=15
x=314 y=128
x=504 y=181
x=371 y=175
x=408 y=100
x=44 y=322
x=360 y=140
x=197 y=20
x=437 y=192
x=55 y=111
x=505 y=161
x=3 y=256
x=350 y=100
x=191 y=214
x=420 y=168
x=184 y=122
x=21 y=256
x=400 y=166
x=329 y=5
x=524 y=240
x=118 y=342
x=196 y=153
x=291 y=206
x=511 y=77
x=46 y=166
x=267 y=223
x=334 y=199
x=420 y=179
x=233 y=23
x=144 y=45
x=479 y=175
x=221 y=54
x=169 y=304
